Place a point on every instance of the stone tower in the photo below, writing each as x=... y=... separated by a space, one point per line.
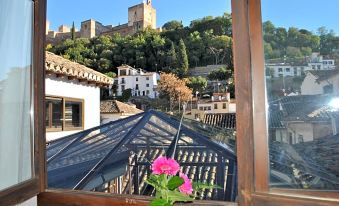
x=142 y=16
x=88 y=29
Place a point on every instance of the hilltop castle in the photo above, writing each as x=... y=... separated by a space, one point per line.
x=140 y=17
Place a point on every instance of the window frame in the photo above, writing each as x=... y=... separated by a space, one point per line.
x=37 y=184
x=48 y=128
x=64 y=100
x=252 y=138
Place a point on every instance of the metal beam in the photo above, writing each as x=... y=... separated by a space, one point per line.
x=140 y=124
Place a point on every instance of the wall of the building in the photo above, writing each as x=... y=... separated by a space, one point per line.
x=334 y=80
x=105 y=118
x=281 y=135
x=130 y=83
x=286 y=70
x=230 y=107
x=322 y=130
x=310 y=85
x=74 y=89
x=88 y=29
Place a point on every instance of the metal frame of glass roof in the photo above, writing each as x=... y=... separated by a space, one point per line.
x=88 y=159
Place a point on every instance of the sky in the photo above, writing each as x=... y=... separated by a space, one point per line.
x=115 y=11
x=308 y=14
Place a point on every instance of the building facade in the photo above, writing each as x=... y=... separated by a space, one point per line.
x=316 y=62
x=219 y=103
x=140 y=83
x=72 y=97
x=321 y=82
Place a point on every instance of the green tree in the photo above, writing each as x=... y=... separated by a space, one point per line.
x=111 y=74
x=172 y=59
x=222 y=74
x=173 y=25
x=197 y=84
x=73 y=32
x=182 y=60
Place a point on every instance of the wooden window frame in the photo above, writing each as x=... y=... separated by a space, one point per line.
x=252 y=133
x=64 y=100
x=49 y=127
x=25 y=190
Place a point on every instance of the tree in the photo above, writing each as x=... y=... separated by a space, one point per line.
x=172 y=60
x=73 y=31
x=328 y=41
x=222 y=74
x=293 y=52
x=174 y=89
x=197 y=84
x=126 y=95
x=111 y=74
x=182 y=60
x=173 y=25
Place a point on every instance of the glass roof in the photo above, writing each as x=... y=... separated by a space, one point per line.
x=92 y=158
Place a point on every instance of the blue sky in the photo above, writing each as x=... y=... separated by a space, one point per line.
x=115 y=11
x=311 y=14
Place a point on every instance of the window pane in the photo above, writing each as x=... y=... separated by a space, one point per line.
x=54 y=113
x=73 y=114
x=303 y=105
x=15 y=92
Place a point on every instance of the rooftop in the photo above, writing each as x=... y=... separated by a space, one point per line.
x=115 y=106
x=324 y=74
x=123 y=150
x=60 y=66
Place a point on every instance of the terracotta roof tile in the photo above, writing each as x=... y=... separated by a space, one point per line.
x=114 y=106
x=221 y=120
x=59 y=65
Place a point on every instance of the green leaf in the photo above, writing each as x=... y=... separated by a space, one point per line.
x=175 y=182
x=153 y=180
x=160 y=202
x=199 y=186
x=176 y=196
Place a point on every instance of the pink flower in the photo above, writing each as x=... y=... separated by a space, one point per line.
x=162 y=165
x=186 y=188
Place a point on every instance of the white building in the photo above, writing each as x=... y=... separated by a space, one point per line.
x=220 y=103
x=281 y=69
x=321 y=82
x=140 y=82
x=72 y=96
x=315 y=62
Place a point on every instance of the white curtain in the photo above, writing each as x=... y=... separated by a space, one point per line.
x=16 y=17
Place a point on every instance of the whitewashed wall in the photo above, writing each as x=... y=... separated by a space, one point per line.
x=310 y=86
x=72 y=88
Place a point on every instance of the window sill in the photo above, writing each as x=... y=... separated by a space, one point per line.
x=75 y=198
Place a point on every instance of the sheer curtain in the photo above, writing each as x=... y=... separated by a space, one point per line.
x=16 y=134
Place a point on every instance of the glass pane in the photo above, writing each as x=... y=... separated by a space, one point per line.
x=302 y=78
x=73 y=114
x=15 y=92
x=54 y=113
x=47 y=114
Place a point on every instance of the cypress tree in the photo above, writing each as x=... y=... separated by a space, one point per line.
x=173 y=61
x=182 y=59
x=73 y=32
